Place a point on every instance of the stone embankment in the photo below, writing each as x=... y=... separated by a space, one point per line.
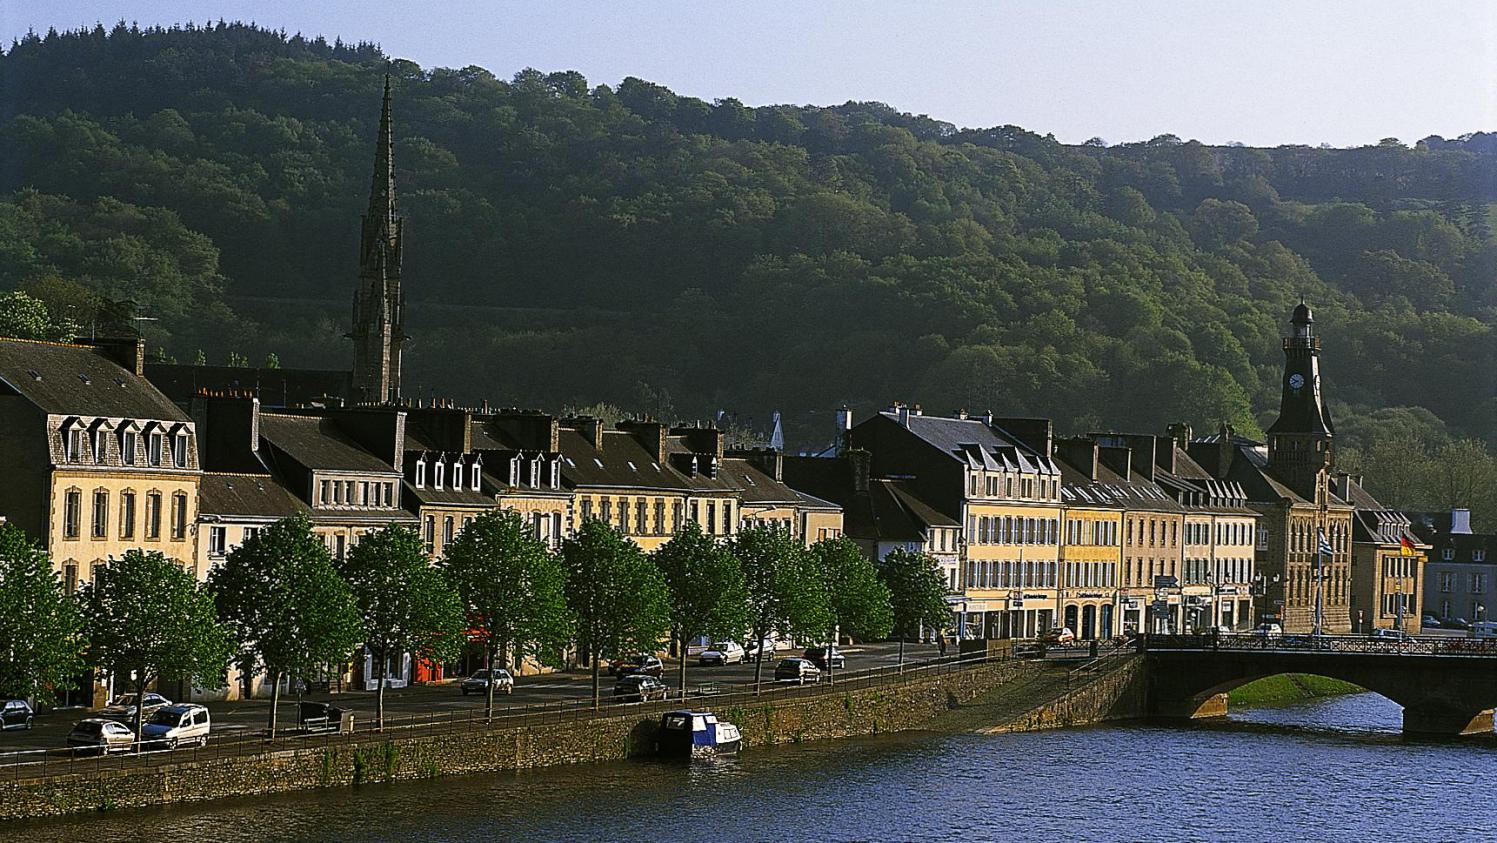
x=1000 y=696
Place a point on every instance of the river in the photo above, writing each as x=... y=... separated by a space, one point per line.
x=1326 y=769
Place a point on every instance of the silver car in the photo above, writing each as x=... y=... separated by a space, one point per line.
x=100 y=735
x=123 y=708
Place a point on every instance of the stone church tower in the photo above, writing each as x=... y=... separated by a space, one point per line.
x=1300 y=451
x=379 y=304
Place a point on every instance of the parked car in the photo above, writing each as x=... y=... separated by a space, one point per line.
x=768 y=645
x=123 y=707
x=175 y=725
x=1431 y=622
x=1456 y=623
x=799 y=671
x=642 y=663
x=1268 y=630
x=1390 y=635
x=723 y=652
x=478 y=683
x=639 y=687
x=101 y=735
x=818 y=657
x=15 y=714
x=1058 y=635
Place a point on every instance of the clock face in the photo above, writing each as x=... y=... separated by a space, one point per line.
x=1296 y=381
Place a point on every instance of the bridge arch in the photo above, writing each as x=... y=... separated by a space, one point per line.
x=1439 y=694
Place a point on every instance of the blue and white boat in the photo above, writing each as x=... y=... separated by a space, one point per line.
x=694 y=734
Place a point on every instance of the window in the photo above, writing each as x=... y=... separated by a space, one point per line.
x=476 y=477
x=624 y=515
x=338 y=491
x=154 y=446
x=446 y=531
x=218 y=538
x=659 y=517
x=675 y=516
x=70 y=577
x=421 y=474
x=129 y=441
x=153 y=515
x=436 y=475
x=605 y=511
x=587 y=508
x=340 y=546
x=72 y=502
x=711 y=518
x=727 y=517
x=96 y=442
x=642 y=516
x=127 y=514
x=179 y=450
x=389 y=495
x=1263 y=538
x=101 y=514
x=1478 y=583
x=179 y=516
x=1447 y=554
x=429 y=533
x=1478 y=555
x=1447 y=581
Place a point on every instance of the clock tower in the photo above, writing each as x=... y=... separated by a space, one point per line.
x=1300 y=450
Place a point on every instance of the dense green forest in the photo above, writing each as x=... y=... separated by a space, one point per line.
x=570 y=243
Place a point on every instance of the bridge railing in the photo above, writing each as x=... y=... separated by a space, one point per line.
x=1461 y=647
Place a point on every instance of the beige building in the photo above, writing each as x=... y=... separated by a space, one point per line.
x=98 y=461
x=764 y=498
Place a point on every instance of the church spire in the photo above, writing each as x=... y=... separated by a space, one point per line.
x=1300 y=439
x=379 y=303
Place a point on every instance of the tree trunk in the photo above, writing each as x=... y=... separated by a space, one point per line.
x=140 y=710
x=593 y=658
x=275 y=699
x=379 y=694
x=488 y=706
x=758 y=659
x=682 y=646
x=901 y=654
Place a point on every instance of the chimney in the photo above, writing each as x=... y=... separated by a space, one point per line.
x=1460 y=522
x=1180 y=433
x=962 y=414
x=844 y=421
x=901 y=413
x=590 y=428
x=707 y=441
x=448 y=430
x=129 y=352
x=1165 y=453
x=1081 y=452
x=1117 y=459
x=860 y=462
x=530 y=430
x=649 y=434
x=1037 y=434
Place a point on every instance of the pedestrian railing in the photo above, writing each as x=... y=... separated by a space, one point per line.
x=1360 y=644
x=27 y=764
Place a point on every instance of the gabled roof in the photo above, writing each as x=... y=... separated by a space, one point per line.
x=61 y=378
x=317 y=443
x=974 y=443
x=246 y=495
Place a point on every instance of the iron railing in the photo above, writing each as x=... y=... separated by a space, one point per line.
x=40 y=763
x=1429 y=646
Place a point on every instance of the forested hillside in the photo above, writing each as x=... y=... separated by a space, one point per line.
x=570 y=243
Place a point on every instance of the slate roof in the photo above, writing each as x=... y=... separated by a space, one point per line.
x=246 y=495
x=975 y=443
x=623 y=462
x=274 y=387
x=891 y=510
x=1111 y=489
x=317 y=443
x=60 y=378
x=428 y=496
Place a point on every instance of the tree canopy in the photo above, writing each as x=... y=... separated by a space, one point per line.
x=729 y=256
x=617 y=596
x=41 y=631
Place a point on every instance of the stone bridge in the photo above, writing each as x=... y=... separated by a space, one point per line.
x=1446 y=686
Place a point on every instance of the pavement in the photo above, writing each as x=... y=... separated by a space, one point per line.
x=246 y=717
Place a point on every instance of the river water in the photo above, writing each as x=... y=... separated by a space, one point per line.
x=1333 y=769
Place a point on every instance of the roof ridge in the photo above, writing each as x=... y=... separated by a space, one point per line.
x=49 y=342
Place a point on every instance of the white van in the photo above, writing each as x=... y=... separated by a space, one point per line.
x=1483 y=629
x=175 y=725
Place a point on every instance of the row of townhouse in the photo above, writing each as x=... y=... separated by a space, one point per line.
x=100 y=461
x=1108 y=533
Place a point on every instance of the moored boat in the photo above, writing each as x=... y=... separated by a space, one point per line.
x=692 y=734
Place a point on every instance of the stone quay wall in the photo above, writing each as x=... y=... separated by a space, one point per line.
x=897 y=703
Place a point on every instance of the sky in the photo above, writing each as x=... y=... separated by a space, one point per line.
x=1260 y=72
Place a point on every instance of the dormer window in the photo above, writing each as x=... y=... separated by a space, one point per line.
x=97 y=442
x=436 y=475
x=74 y=444
x=421 y=473
x=129 y=441
x=535 y=472
x=555 y=474
x=476 y=476
x=179 y=449
x=155 y=446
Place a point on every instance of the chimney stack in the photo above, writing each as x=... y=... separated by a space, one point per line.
x=860 y=463
x=1460 y=522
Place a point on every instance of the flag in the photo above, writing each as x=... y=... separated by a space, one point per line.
x=1406 y=547
x=1325 y=546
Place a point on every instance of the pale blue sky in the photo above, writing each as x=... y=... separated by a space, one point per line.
x=1265 y=72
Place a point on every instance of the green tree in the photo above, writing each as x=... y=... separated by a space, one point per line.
x=917 y=594
x=405 y=604
x=708 y=595
x=290 y=611
x=24 y=317
x=147 y=618
x=856 y=599
x=786 y=594
x=513 y=588
x=617 y=596
x=41 y=631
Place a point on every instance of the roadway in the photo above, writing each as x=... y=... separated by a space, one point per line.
x=246 y=717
